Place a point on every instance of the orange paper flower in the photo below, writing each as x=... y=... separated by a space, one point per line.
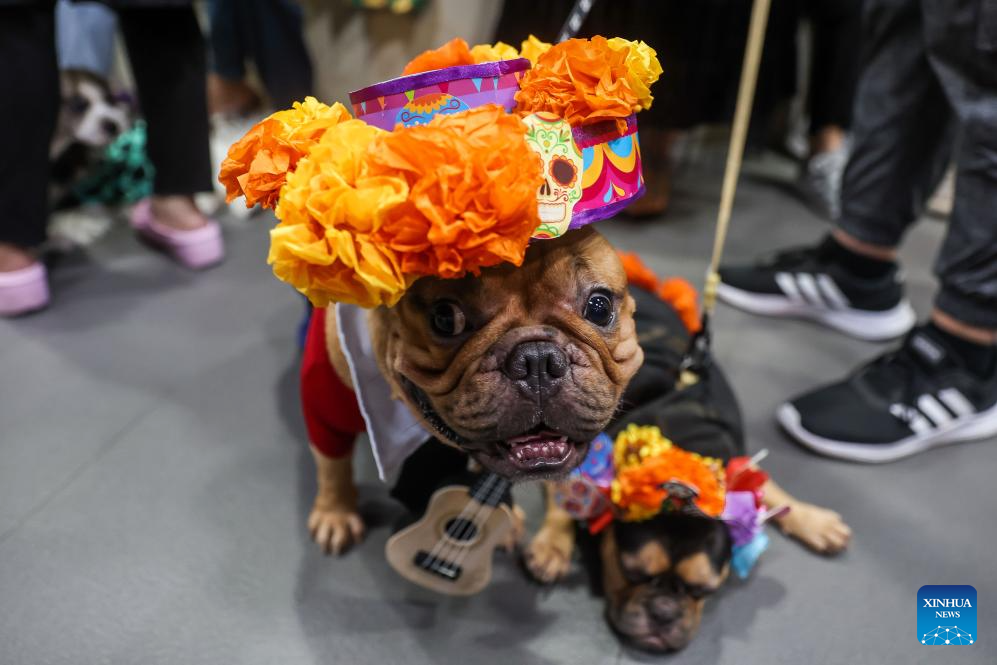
x=455 y=52
x=330 y=209
x=582 y=81
x=366 y=212
x=645 y=460
x=257 y=164
x=472 y=183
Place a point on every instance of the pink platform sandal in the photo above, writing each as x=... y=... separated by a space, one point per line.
x=24 y=290
x=194 y=248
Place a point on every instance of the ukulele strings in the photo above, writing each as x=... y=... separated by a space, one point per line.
x=486 y=507
x=452 y=541
x=462 y=518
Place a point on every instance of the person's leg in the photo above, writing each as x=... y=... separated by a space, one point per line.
x=964 y=56
x=30 y=78
x=836 y=27
x=228 y=92
x=834 y=72
x=166 y=52
x=279 y=50
x=85 y=37
x=167 y=55
x=940 y=386
x=902 y=130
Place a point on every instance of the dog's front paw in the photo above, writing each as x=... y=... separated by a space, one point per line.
x=335 y=529
x=548 y=556
x=820 y=529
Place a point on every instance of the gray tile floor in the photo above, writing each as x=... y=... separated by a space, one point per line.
x=154 y=483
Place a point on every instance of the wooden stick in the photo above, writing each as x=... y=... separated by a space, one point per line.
x=738 y=136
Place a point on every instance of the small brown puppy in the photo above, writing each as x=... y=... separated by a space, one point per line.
x=520 y=367
x=657 y=574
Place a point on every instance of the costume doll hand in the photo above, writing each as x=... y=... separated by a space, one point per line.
x=336 y=526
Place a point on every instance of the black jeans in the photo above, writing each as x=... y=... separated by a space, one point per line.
x=930 y=78
x=268 y=32
x=166 y=52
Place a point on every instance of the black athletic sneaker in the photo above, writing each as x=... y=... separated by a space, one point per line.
x=906 y=401
x=806 y=283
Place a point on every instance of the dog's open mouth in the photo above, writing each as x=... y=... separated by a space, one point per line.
x=538 y=452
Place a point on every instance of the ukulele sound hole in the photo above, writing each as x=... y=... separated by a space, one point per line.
x=460 y=529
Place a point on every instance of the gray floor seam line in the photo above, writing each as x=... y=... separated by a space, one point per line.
x=76 y=473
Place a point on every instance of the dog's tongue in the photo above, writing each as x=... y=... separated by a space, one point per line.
x=534 y=450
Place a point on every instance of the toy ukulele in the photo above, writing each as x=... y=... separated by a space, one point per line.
x=449 y=550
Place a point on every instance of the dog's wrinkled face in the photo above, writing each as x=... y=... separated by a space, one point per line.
x=521 y=367
x=658 y=574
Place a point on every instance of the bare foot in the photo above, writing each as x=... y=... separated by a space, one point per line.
x=335 y=528
x=820 y=529
x=14 y=258
x=177 y=212
x=548 y=556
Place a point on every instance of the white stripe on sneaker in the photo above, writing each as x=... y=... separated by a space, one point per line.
x=786 y=282
x=929 y=406
x=956 y=402
x=914 y=419
x=831 y=292
x=808 y=287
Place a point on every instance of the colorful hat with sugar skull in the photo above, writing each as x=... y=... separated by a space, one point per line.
x=453 y=167
x=591 y=166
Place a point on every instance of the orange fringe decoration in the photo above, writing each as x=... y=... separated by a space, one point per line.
x=675 y=291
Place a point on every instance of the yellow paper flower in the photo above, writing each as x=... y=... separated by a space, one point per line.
x=329 y=209
x=532 y=48
x=493 y=52
x=642 y=61
x=307 y=120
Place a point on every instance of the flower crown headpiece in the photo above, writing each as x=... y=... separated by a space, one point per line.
x=643 y=474
x=451 y=168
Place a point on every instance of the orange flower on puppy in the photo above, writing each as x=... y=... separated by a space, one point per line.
x=257 y=164
x=582 y=81
x=645 y=461
x=472 y=192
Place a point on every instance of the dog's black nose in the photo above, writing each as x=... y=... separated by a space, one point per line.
x=109 y=127
x=537 y=366
x=664 y=608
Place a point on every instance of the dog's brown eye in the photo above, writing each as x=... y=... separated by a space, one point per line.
x=447 y=319
x=599 y=309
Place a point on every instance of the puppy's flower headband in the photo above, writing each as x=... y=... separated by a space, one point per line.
x=472 y=171
x=643 y=474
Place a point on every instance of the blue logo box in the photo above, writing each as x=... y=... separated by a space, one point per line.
x=946 y=615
